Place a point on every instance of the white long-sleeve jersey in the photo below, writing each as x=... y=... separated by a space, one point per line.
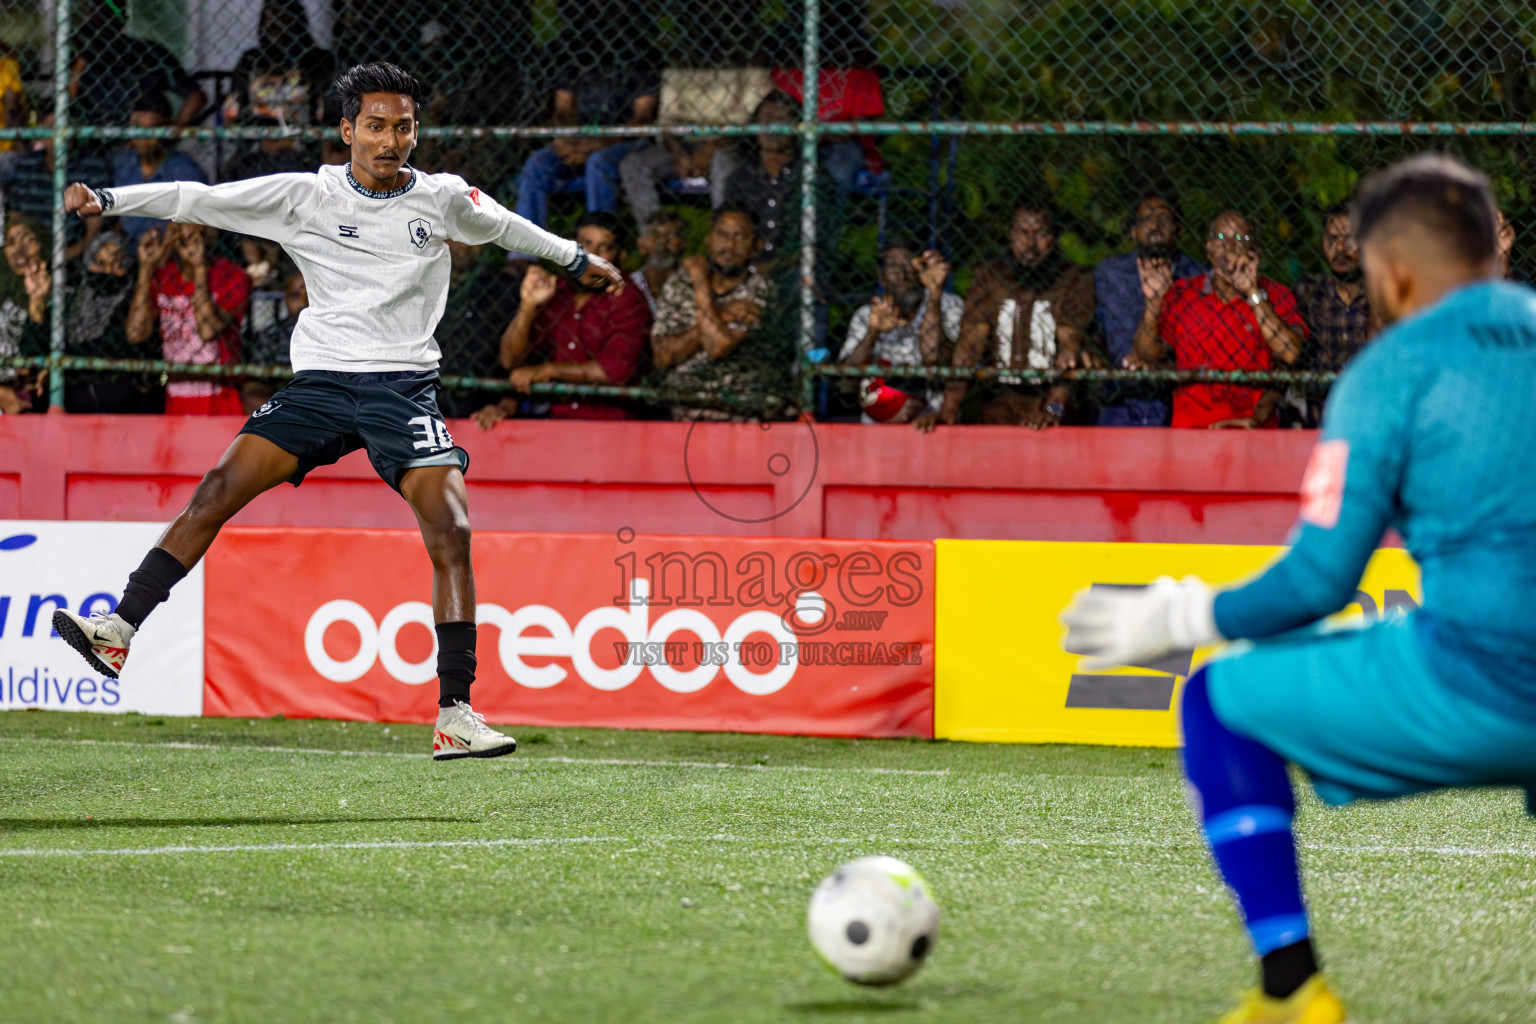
x=375 y=263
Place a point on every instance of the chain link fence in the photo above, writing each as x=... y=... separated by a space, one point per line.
x=925 y=179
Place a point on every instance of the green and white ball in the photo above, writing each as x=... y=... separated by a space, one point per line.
x=874 y=920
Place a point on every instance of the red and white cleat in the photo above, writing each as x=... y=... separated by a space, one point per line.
x=103 y=638
x=461 y=732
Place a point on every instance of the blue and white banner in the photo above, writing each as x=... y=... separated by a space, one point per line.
x=83 y=567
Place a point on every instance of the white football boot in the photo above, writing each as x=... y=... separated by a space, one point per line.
x=461 y=732
x=103 y=638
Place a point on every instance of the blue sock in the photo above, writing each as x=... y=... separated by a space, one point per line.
x=1246 y=807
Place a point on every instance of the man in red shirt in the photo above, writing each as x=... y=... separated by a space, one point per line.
x=1228 y=319
x=199 y=308
x=587 y=336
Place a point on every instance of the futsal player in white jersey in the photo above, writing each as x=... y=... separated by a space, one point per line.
x=370 y=239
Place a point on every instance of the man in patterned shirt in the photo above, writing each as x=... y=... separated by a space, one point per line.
x=708 y=334
x=1030 y=310
x=907 y=325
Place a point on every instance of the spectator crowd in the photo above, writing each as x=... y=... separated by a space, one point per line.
x=704 y=325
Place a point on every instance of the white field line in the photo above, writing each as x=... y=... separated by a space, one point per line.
x=450 y=844
x=429 y=844
x=517 y=761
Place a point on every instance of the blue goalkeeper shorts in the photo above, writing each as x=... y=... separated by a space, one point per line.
x=1359 y=711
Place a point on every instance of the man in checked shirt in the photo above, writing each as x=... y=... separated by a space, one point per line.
x=1335 y=307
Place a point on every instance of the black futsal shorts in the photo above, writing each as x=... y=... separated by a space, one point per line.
x=322 y=415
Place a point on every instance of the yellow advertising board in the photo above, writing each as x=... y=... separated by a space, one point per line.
x=1001 y=675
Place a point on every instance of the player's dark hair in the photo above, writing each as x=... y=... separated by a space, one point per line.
x=608 y=222
x=740 y=209
x=898 y=241
x=1437 y=193
x=152 y=101
x=380 y=76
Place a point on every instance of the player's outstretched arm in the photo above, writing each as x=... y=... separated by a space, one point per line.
x=266 y=207
x=477 y=219
x=1348 y=499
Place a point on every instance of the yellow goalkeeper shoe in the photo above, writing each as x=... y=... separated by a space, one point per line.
x=1313 y=1003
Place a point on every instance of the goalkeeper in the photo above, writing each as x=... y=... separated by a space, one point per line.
x=1428 y=433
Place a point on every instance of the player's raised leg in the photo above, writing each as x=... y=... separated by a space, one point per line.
x=1245 y=805
x=437 y=496
x=250 y=466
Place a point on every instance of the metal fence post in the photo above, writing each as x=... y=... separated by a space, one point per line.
x=809 y=124
x=60 y=183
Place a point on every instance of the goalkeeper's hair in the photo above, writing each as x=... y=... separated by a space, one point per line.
x=1437 y=194
x=380 y=76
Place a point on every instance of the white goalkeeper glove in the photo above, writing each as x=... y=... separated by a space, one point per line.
x=1117 y=626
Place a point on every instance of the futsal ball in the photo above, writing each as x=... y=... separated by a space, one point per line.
x=874 y=920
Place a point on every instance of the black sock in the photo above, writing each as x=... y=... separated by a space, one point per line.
x=149 y=584
x=1287 y=969
x=455 y=661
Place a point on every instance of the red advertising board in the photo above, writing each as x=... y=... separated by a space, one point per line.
x=817 y=637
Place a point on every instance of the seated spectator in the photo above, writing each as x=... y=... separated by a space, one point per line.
x=662 y=245
x=709 y=335
x=147 y=160
x=96 y=320
x=1031 y=310
x=1130 y=289
x=706 y=93
x=283 y=79
x=29 y=189
x=909 y=324
x=25 y=279
x=13 y=105
x=769 y=183
x=695 y=163
x=843 y=94
x=605 y=73
x=1227 y=319
x=482 y=299
x=270 y=346
x=1336 y=309
x=265 y=156
x=586 y=335
x=112 y=70
x=198 y=305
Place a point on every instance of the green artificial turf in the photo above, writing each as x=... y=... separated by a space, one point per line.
x=601 y=876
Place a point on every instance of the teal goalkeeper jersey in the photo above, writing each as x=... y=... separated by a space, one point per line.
x=1431 y=430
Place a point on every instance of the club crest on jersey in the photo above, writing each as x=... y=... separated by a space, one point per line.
x=421 y=232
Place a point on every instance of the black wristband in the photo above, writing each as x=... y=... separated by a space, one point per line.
x=578 y=266
x=105 y=198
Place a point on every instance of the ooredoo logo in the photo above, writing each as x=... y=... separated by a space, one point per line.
x=756 y=650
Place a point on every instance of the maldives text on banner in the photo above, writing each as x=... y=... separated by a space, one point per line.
x=1002 y=675
x=82 y=566
x=816 y=637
